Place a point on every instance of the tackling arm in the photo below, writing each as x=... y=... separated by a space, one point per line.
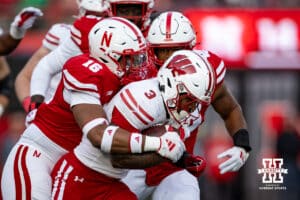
x=228 y=108
x=230 y=111
x=112 y=139
x=22 y=83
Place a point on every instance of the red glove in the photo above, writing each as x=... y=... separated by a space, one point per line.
x=28 y=105
x=194 y=164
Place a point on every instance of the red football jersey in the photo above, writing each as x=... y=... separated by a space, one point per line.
x=80 y=31
x=81 y=74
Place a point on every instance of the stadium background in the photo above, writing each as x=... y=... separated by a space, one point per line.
x=260 y=43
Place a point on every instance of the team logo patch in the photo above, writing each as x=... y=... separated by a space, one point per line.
x=272 y=172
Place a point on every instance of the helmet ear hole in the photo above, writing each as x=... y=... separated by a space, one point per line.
x=169 y=83
x=161 y=88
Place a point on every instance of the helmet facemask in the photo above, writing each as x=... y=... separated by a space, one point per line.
x=135 y=67
x=185 y=108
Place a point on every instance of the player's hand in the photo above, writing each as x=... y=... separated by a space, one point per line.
x=194 y=164
x=23 y=21
x=30 y=117
x=28 y=105
x=171 y=146
x=237 y=157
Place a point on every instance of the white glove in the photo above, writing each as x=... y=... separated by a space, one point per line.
x=171 y=146
x=23 y=21
x=237 y=158
x=30 y=117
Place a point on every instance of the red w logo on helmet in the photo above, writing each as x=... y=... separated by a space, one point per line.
x=181 y=65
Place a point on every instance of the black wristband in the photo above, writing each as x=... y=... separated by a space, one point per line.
x=241 y=139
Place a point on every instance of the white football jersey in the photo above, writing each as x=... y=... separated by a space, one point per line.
x=51 y=65
x=56 y=34
x=140 y=103
x=55 y=37
x=137 y=106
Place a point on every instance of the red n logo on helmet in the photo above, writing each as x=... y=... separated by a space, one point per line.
x=106 y=39
x=181 y=65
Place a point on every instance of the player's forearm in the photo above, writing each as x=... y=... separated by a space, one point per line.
x=22 y=83
x=235 y=120
x=113 y=139
x=8 y=44
x=22 y=87
x=136 y=161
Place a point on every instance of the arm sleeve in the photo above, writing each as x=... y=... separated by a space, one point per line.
x=56 y=35
x=50 y=65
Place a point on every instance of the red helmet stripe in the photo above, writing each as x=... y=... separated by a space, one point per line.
x=168 y=26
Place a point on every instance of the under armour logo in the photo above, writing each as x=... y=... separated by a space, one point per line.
x=77 y=179
x=109 y=93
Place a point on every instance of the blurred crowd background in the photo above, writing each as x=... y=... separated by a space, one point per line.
x=269 y=96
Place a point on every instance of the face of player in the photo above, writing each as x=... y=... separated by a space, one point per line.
x=162 y=54
x=132 y=12
x=186 y=103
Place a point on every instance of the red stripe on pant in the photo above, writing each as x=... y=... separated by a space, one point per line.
x=21 y=159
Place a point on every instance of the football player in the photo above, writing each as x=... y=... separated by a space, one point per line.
x=173 y=98
x=88 y=81
x=54 y=37
x=22 y=22
x=169 y=32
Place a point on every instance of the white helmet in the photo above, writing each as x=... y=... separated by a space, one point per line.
x=171 y=29
x=187 y=82
x=119 y=44
x=94 y=7
x=142 y=20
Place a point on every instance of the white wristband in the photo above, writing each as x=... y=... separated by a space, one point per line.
x=107 y=138
x=136 y=140
x=152 y=143
x=93 y=123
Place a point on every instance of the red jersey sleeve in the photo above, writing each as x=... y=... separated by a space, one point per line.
x=80 y=31
x=217 y=64
x=85 y=74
